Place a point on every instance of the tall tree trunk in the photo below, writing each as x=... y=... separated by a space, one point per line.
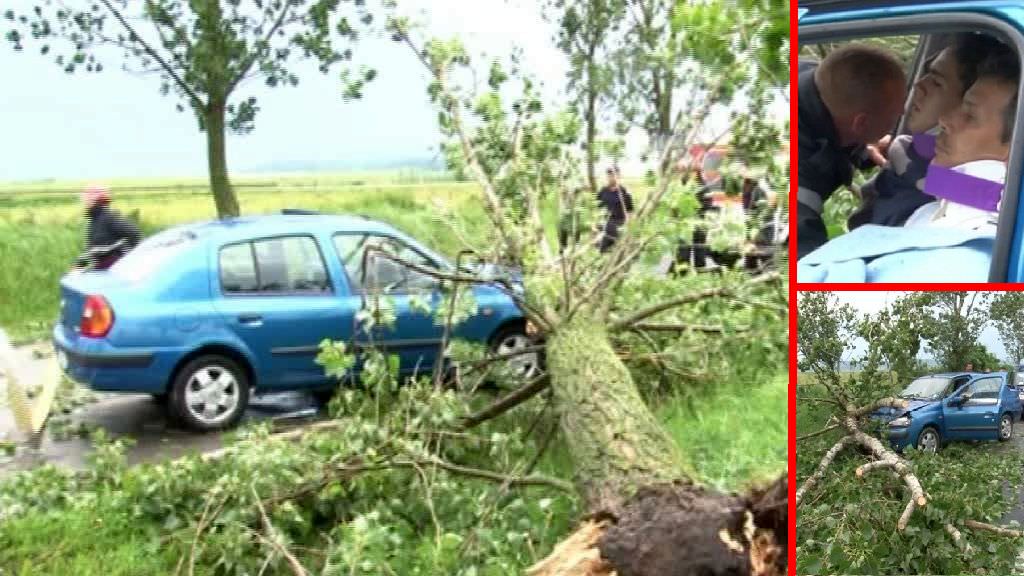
x=216 y=154
x=647 y=517
x=591 y=117
x=616 y=444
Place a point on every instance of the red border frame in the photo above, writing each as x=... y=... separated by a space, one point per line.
x=794 y=287
x=791 y=404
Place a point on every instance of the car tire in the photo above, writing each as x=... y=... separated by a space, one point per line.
x=929 y=440
x=1005 y=427
x=209 y=393
x=511 y=339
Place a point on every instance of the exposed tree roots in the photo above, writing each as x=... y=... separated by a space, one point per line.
x=680 y=529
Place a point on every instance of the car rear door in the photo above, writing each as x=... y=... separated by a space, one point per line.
x=977 y=418
x=277 y=296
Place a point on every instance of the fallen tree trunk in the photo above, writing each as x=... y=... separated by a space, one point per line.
x=646 y=515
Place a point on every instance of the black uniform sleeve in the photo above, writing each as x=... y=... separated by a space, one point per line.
x=122 y=227
x=628 y=199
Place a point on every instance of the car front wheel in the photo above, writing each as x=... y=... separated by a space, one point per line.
x=928 y=440
x=1005 y=427
x=210 y=393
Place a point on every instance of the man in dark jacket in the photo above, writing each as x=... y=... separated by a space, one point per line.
x=106 y=227
x=617 y=201
x=853 y=98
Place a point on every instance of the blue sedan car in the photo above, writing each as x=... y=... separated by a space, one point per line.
x=204 y=314
x=953 y=406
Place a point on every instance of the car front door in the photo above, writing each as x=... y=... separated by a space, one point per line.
x=414 y=336
x=975 y=418
x=276 y=295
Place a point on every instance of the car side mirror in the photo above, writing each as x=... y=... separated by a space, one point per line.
x=963 y=398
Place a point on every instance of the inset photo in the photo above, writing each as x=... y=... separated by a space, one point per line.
x=909 y=439
x=909 y=157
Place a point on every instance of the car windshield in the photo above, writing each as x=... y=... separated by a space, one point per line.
x=928 y=388
x=152 y=254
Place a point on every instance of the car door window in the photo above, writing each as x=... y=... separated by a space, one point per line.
x=238 y=269
x=291 y=264
x=986 y=389
x=382 y=273
x=288 y=265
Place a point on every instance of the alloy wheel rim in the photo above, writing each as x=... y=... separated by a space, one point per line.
x=928 y=442
x=212 y=394
x=524 y=365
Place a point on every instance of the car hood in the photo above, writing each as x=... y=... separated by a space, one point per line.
x=888 y=413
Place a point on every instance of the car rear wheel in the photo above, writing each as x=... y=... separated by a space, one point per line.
x=1005 y=427
x=928 y=440
x=512 y=340
x=210 y=393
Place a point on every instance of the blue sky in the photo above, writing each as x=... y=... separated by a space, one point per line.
x=116 y=124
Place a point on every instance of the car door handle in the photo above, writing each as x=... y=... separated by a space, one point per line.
x=251 y=319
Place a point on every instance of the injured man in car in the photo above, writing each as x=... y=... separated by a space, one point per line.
x=950 y=238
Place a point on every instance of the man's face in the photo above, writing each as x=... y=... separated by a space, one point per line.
x=613 y=178
x=973 y=131
x=970 y=367
x=935 y=93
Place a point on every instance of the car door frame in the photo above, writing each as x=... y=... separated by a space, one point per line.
x=278 y=363
x=1007 y=263
x=978 y=418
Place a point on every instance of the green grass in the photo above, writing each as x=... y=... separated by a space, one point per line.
x=84 y=542
x=733 y=434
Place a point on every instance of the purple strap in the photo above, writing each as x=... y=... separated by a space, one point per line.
x=961 y=188
x=924 y=145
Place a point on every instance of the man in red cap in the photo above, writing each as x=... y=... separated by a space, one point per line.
x=106 y=229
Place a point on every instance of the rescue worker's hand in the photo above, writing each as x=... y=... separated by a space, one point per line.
x=878 y=150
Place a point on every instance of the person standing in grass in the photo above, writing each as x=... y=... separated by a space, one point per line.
x=106 y=228
x=617 y=201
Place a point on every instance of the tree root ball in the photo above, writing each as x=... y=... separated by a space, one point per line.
x=682 y=530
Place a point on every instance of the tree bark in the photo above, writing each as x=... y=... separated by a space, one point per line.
x=616 y=444
x=630 y=473
x=216 y=153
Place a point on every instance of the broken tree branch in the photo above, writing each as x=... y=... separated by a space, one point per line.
x=508 y=402
x=824 y=430
x=1000 y=530
x=645 y=313
x=820 y=472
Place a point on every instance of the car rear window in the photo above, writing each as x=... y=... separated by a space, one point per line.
x=152 y=254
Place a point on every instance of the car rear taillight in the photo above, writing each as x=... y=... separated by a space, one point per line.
x=97 y=317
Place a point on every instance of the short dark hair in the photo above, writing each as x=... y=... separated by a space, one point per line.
x=1004 y=65
x=853 y=74
x=971 y=50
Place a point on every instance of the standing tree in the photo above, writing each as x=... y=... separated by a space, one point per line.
x=1007 y=312
x=952 y=322
x=895 y=334
x=586 y=31
x=627 y=470
x=670 y=59
x=203 y=51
